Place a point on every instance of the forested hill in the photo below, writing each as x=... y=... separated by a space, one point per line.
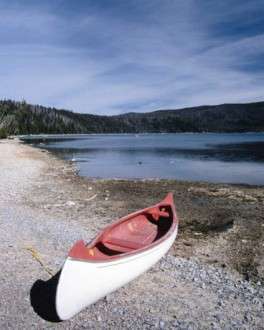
x=23 y=118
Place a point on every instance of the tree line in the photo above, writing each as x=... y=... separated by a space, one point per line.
x=17 y=118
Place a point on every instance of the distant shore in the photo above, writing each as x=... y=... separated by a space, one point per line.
x=45 y=206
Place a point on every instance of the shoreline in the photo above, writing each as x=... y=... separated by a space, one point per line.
x=140 y=133
x=221 y=232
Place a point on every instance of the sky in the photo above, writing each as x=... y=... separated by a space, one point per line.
x=116 y=56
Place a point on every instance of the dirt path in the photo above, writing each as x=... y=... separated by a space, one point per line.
x=45 y=207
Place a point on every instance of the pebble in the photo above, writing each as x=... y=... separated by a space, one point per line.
x=70 y=203
x=161 y=324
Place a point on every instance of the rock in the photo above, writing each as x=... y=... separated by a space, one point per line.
x=70 y=203
x=161 y=324
x=248 y=317
x=220 y=303
x=217 y=317
x=108 y=298
x=257 y=302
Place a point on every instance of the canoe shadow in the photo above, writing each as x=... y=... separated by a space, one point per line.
x=42 y=298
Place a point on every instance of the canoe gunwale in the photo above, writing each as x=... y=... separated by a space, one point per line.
x=127 y=258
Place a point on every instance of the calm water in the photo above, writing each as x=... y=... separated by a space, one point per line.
x=236 y=158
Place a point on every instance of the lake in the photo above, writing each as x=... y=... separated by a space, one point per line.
x=226 y=158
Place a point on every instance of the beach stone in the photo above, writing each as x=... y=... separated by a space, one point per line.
x=161 y=324
x=70 y=203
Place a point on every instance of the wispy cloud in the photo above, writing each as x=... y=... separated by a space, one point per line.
x=113 y=57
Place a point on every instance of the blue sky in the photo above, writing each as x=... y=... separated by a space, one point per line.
x=110 y=57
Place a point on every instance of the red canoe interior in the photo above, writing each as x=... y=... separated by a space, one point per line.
x=130 y=234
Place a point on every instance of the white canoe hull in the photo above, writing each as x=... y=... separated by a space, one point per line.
x=82 y=283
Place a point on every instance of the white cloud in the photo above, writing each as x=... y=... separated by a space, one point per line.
x=101 y=62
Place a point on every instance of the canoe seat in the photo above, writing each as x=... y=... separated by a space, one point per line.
x=131 y=235
x=123 y=245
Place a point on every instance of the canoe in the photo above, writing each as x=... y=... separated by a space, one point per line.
x=120 y=253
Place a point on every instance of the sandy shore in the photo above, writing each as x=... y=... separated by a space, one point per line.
x=212 y=277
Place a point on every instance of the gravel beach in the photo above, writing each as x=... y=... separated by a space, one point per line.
x=212 y=278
